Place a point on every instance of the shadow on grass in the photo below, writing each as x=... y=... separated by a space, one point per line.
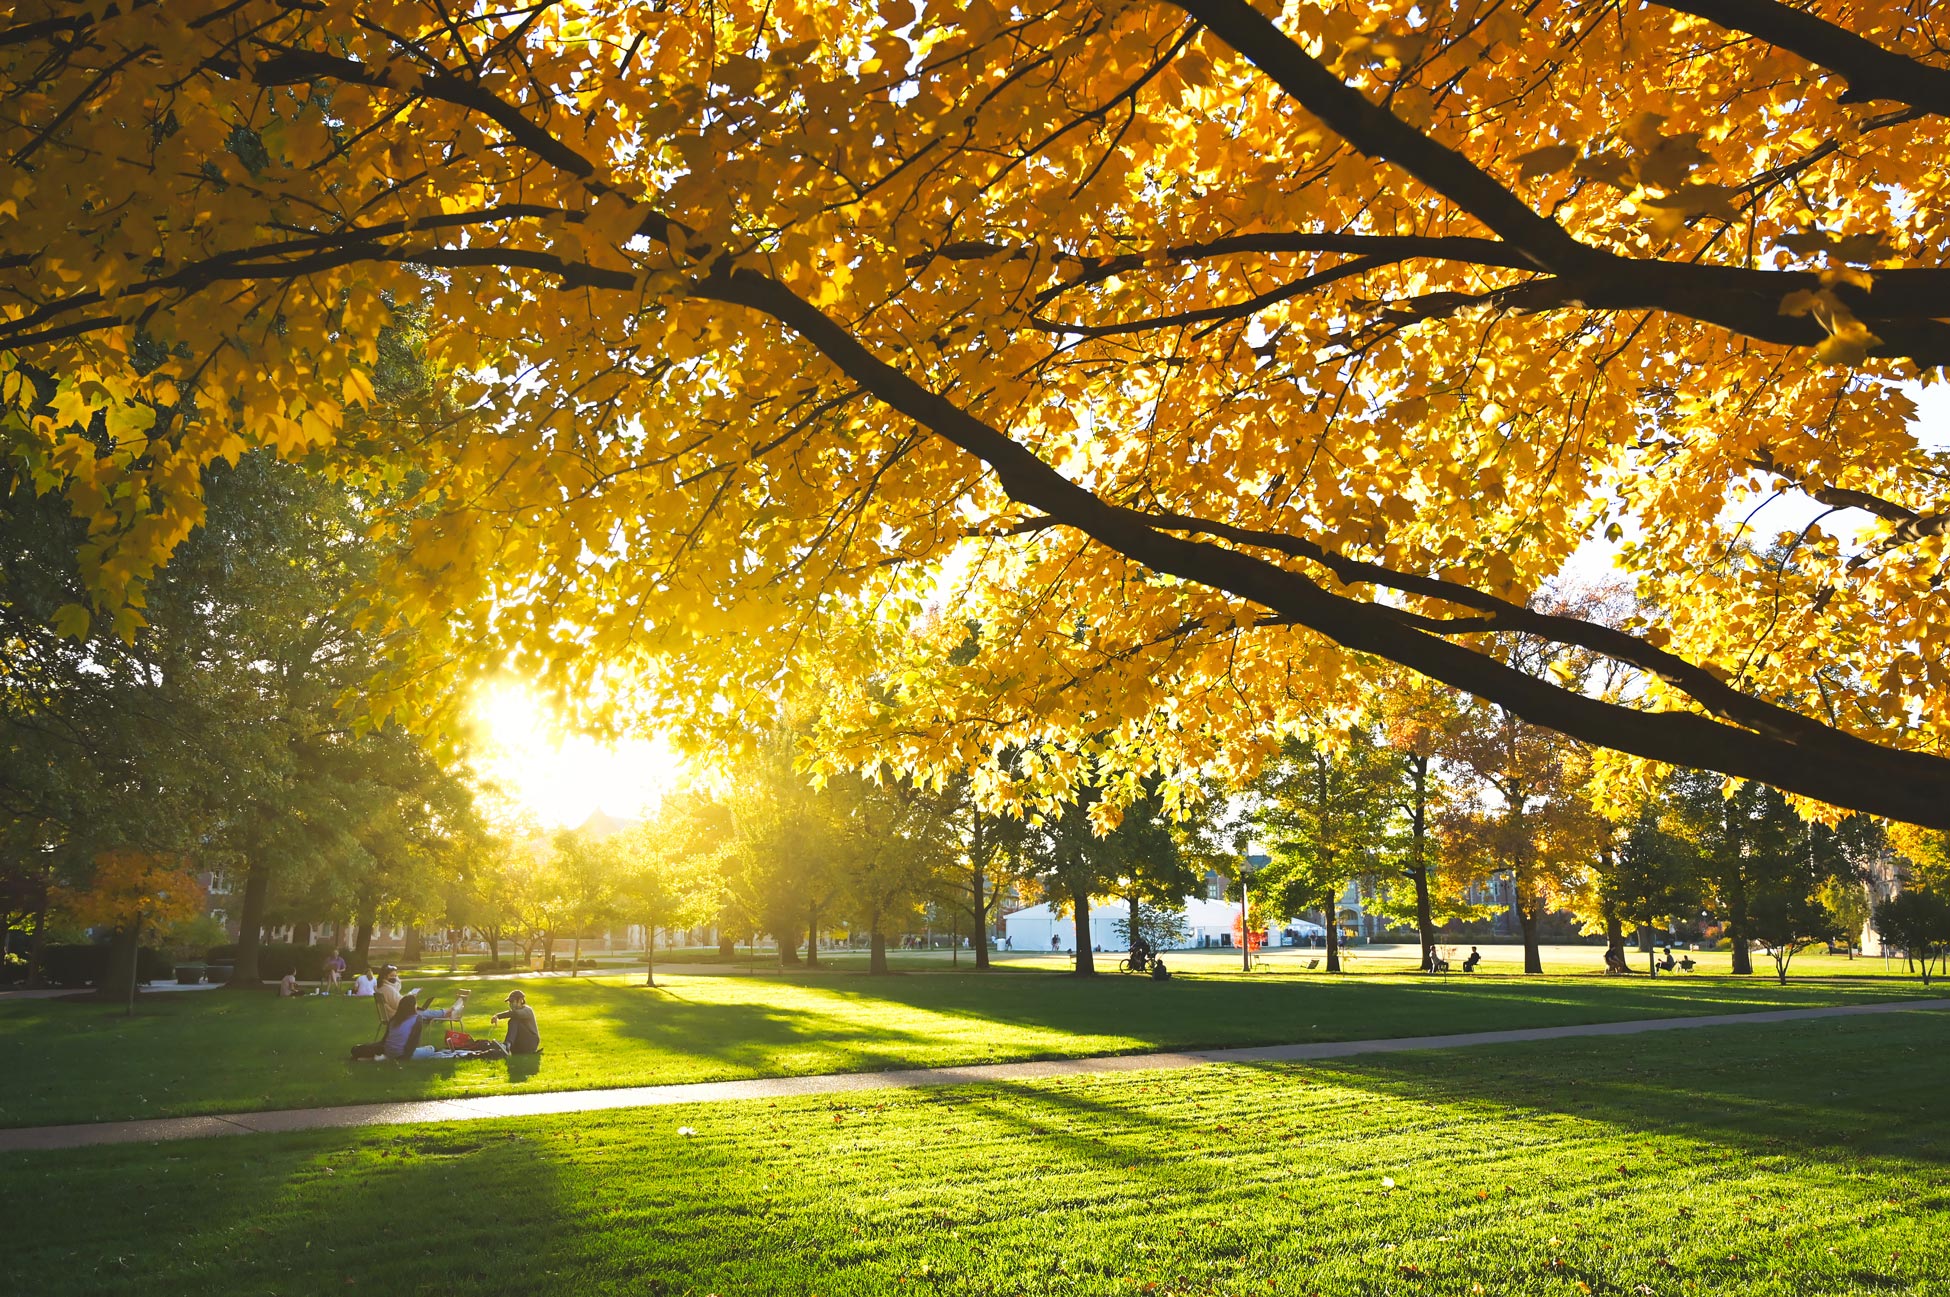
x=1873 y=1088
x=212 y=1053
x=431 y=1209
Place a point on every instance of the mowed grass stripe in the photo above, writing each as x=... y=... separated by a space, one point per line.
x=216 y=1052
x=1795 y=1159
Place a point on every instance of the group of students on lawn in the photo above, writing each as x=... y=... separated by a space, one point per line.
x=402 y=1021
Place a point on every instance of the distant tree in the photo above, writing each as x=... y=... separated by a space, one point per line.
x=1161 y=927
x=1787 y=920
x=1650 y=877
x=1091 y=846
x=1322 y=811
x=1916 y=921
x=780 y=877
x=1155 y=872
x=1415 y=720
x=1741 y=837
x=890 y=843
x=133 y=893
x=1852 y=904
x=672 y=868
x=1524 y=812
x=991 y=858
x=587 y=870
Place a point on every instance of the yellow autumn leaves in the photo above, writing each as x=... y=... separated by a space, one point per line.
x=207 y=256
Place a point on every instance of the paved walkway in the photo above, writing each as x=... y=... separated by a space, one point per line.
x=781 y=1087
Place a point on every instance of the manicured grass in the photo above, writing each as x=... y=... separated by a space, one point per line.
x=218 y=1051
x=1744 y=1160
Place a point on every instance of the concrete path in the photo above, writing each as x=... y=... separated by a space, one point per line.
x=784 y=1087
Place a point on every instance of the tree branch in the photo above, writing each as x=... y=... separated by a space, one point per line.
x=1872 y=72
x=1378 y=133
x=1803 y=756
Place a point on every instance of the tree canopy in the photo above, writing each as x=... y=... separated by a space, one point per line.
x=1207 y=355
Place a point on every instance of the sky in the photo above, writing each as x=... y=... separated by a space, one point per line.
x=1595 y=560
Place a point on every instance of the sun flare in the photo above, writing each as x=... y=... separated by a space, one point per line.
x=562 y=778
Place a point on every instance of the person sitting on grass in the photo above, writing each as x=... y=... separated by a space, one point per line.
x=364 y=984
x=386 y=996
x=403 y=1034
x=288 y=985
x=523 y=1036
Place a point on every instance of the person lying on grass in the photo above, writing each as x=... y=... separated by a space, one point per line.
x=402 y=1039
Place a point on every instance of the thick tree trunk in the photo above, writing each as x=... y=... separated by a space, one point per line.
x=1614 y=937
x=650 y=953
x=788 y=947
x=981 y=916
x=575 y=956
x=1646 y=943
x=1086 y=965
x=812 y=936
x=414 y=945
x=119 y=976
x=1418 y=829
x=1533 y=955
x=301 y=934
x=493 y=936
x=39 y=942
x=876 y=951
x=1424 y=916
x=1332 y=922
x=250 y=927
x=727 y=945
x=1743 y=955
x=363 y=948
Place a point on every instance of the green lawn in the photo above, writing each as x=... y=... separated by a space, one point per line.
x=1788 y=1159
x=217 y=1051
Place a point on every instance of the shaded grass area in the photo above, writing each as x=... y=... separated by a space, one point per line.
x=1786 y=1159
x=222 y=1051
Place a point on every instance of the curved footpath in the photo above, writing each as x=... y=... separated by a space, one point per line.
x=650 y=1096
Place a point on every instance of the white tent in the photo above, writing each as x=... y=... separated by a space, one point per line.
x=1035 y=927
x=1210 y=924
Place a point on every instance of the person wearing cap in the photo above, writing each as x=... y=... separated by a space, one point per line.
x=523 y=1037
